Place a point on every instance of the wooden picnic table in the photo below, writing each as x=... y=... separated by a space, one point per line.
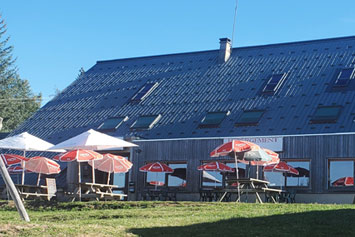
x=45 y=192
x=96 y=191
x=251 y=186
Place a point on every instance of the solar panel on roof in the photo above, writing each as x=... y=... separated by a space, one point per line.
x=326 y=114
x=274 y=83
x=250 y=117
x=213 y=119
x=112 y=123
x=146 y=122
x=144 y=92
x=344 y=77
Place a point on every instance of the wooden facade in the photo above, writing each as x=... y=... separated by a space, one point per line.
x=318 y=149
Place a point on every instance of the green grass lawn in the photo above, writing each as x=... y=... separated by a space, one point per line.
x=178 y=219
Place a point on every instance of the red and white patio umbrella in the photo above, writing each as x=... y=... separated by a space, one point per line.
x=13 y=159
x=42 y=165
x=80 y=155
x=281 y=167
x=215 y=166
x=274 y=159
x=241 y=150
x=112 y=164
x=344 y=181
x=156 y=167
x=230 y=148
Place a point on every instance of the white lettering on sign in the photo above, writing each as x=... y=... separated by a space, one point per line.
x=272 y=143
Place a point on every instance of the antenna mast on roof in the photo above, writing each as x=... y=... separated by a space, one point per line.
x=234 y=21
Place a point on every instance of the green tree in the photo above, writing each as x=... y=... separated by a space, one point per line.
x=17 y=102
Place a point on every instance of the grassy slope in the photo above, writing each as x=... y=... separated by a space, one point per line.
x=179 y=219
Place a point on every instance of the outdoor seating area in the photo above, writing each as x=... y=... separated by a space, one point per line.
x=248 y=187
x=81 y=149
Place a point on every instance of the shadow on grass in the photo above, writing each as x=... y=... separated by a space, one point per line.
x=316 y=223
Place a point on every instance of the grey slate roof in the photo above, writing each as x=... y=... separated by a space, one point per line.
x=192 y=84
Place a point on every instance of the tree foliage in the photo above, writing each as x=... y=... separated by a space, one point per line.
x=17 y=102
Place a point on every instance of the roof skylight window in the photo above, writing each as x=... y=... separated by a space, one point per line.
x=213 y=119
x=146 y=122
x=144 y=92
x=112 y=123
x=274 y=83
x=344 y=77
x=250 y=118
x=326 y=114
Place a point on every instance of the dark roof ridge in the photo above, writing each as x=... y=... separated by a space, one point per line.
x=238 y=48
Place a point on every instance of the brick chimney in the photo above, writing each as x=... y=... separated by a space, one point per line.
x=224 y=50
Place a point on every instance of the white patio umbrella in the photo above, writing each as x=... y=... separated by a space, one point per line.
x=92 y=140
x=26 y=142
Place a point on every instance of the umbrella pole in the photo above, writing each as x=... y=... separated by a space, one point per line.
x=236 y=168
x=79 y=181
x=93 y=171
x=108 y=178
x=39 y=177
x=257 y=171
x=23 y=172
x=23 y=168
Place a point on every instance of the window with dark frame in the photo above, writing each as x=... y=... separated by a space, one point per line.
x=213 y=119
x=144 y=91
x=344 y=77
x=217 y=179
x=341 y=173
x=326 y=114
x=112 y=123
x=177 y=179
x=303 y=178
x=282 y=179
x=146 y=122
x=274 y=83
x=250 y=118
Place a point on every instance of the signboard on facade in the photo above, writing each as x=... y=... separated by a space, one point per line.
x=272 y=143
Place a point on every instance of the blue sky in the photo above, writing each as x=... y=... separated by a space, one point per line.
x=54 y=39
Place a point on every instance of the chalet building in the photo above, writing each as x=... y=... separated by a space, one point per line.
x=295 y=98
